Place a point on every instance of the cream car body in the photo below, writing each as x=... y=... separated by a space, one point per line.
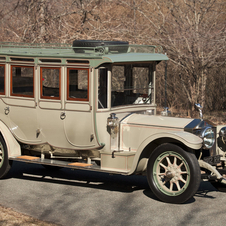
x=92 y=106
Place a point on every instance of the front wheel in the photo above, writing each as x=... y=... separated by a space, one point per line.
x=173 y=174
x=4 y=161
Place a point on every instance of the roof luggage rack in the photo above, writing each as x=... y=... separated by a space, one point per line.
x=83 y=47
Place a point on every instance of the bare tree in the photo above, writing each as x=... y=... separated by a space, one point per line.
x=192 y=32
x=193 y=36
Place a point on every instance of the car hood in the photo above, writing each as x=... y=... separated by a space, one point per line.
x=156 y=121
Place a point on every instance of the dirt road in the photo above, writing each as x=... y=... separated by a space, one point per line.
x=9 y=217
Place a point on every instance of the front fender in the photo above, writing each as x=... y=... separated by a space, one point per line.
x=190 y=140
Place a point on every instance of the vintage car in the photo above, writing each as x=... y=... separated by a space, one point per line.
x=92 y=106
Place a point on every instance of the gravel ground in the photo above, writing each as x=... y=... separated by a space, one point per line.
x=9 y=217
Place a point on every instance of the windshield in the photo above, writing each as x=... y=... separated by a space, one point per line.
x=131 y=84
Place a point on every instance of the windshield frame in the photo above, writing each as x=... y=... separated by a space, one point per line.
x=130 y=89
x=108 y=67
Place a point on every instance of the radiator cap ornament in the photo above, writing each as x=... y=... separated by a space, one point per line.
x=199 y=108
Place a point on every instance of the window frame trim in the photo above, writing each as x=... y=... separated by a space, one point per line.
x=78 y=99
x=11 y=82
x=41 y=87
x=4 y=66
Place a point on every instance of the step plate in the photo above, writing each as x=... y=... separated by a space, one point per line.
x=79 y=164
x=26 y=157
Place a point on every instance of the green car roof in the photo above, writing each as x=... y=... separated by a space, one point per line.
x=96 y=55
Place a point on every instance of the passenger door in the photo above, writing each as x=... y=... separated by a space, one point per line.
x=64 y=110
x=78 y=121
x=21 y=105
x=50 y=106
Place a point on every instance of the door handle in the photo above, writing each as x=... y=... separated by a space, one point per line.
x=62 y=115
x=6 y=110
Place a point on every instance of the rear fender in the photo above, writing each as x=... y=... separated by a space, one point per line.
x=11 y=143
x=187 y=139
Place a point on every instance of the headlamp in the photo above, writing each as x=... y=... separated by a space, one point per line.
x=208 y=136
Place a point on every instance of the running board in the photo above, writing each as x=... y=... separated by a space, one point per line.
x=66 y=164
x=54 y=162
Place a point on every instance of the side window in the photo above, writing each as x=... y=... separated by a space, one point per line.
x=22 y=81
x=50 y=83
x=2 y=79
x=78 y=84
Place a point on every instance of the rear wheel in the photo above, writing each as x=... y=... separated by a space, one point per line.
x=173 y=174
x=4 y=161
x=219 y=186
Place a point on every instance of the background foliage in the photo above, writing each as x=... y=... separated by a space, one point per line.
x=192 y=33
